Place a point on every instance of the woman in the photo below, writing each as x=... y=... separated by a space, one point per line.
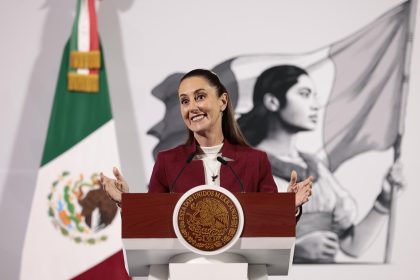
x=285 y=103
x=212 y=132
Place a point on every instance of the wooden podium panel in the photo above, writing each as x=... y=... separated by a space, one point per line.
x=149 y=215
x=267 y=239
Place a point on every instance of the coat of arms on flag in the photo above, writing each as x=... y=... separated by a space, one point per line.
x=79 y=209
x=335 y=103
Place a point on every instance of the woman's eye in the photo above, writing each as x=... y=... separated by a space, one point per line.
x=183 y=101
x=200 y=97
x=305 y=93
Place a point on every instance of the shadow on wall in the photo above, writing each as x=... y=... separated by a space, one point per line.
x=120 y=92
x=32 y=128
x=29 y=140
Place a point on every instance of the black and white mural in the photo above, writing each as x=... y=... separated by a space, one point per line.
x=312 y=113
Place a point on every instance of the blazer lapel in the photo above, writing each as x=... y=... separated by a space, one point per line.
x=197 y=172
x=227 y=179
x=193 y=175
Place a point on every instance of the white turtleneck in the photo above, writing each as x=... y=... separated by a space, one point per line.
x=211 y=164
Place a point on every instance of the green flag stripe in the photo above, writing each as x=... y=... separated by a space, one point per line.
x=74 y=31
x=75 y=115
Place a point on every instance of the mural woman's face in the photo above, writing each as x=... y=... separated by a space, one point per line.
x=201 y=108
x=302 y=106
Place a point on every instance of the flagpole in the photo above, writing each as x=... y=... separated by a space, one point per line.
x=401 y=127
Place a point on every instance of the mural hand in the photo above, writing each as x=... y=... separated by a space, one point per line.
x=317 y=246
x=395 y=176
x=394 y=179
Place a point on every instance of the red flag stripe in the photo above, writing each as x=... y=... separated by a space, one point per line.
x=111 y=268
x=94 y=37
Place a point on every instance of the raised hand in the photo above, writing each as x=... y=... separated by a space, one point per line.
x=393 y=179
x=303 y=190
x=395 y=175
x=114 y=187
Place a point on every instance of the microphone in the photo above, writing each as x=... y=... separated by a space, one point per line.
x=224 y=162
x=189 y=159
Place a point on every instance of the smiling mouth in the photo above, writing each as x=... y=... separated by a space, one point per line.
x=198 y=118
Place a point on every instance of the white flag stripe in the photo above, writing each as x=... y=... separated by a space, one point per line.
x=97 y=152
x=83 y=30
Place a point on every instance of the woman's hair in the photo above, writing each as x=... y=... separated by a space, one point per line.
x=230 y=127
x=277 y=81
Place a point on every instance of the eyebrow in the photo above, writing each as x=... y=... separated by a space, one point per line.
x=195 y=92
x=306 y=88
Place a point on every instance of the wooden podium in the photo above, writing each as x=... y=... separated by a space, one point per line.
x=267 y=240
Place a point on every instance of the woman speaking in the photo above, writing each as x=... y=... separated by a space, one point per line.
x=215 y=152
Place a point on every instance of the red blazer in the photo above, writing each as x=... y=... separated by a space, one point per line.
x=251 y=166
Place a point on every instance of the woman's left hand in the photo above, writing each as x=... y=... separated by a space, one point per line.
x=303 y=190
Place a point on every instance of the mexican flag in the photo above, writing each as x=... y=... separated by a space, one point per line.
x=74 y=230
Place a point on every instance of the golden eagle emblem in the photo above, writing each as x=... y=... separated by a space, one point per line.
x=208 y=220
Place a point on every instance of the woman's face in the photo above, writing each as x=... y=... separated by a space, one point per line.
x=201 y=108
x=302 y=106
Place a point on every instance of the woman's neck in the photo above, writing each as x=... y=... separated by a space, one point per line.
x=279 y=141
x=209 y=139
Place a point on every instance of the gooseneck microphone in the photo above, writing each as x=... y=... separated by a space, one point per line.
x=224 y=162
x=189 y=159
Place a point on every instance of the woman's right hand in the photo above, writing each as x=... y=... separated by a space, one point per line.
x=114 y=187
x=317 y=246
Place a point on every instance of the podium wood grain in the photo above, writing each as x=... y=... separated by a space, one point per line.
x=149 y=215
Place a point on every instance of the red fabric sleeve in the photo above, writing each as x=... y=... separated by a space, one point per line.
x=266 y=181
x=158 y=179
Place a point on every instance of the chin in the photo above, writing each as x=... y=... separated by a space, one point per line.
x=297 y=127
x=306 y=127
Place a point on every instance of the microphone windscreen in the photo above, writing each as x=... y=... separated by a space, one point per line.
x=221 y=160
x=190 y=157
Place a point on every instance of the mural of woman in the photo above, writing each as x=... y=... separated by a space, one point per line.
x=285 y=103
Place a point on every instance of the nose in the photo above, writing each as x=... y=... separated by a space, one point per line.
x=315 y=104
x=193 y=106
